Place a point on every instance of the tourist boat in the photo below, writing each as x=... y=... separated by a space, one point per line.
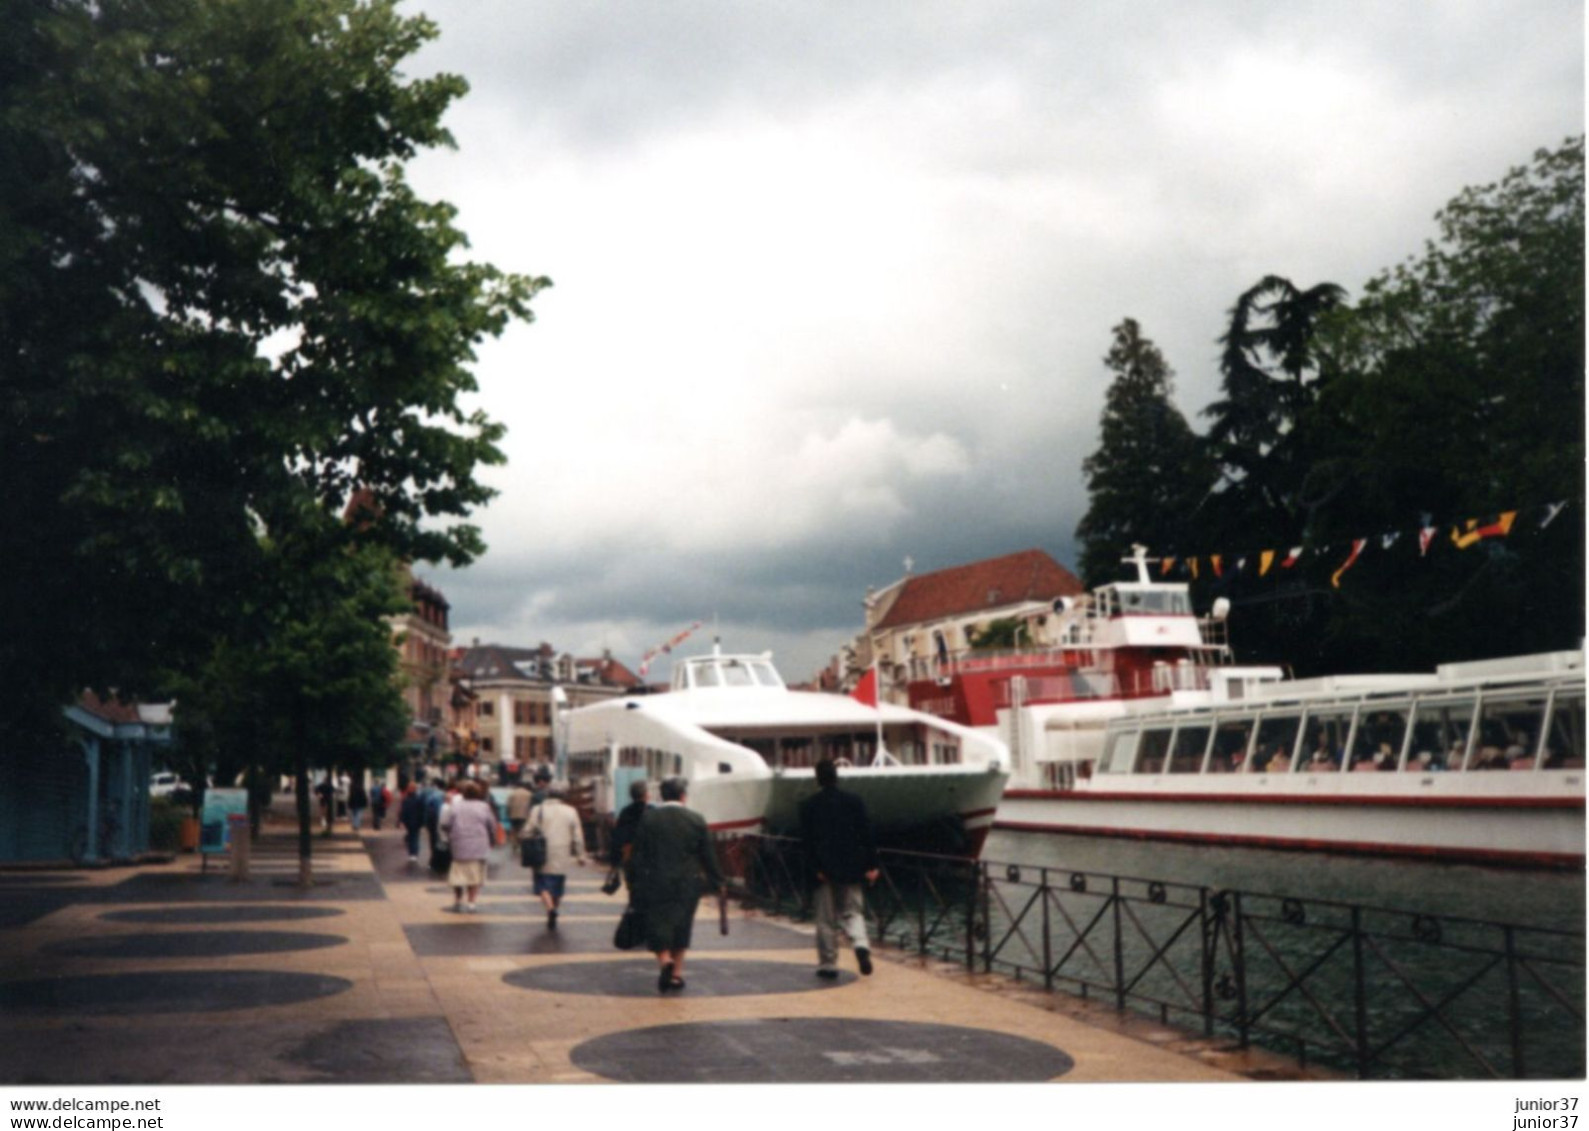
x=1137 y=724
x=747 y=745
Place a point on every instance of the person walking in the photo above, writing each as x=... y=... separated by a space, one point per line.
x=470 y=824
x=380 y=798
x=411 y=815
x=672 y=851
x=559 y=823
x=623 y=831
x=433 y=799
x=519 y=803
x=358 y=802
x=837 y=836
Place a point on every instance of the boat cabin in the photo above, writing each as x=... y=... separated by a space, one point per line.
x=718 y=670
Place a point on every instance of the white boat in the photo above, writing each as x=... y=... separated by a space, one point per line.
x=747 y=745
x=1138 y=726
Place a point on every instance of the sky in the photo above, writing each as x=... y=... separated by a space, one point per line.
x=833 y=281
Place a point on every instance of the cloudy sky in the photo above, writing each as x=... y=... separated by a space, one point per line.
x=833 y=281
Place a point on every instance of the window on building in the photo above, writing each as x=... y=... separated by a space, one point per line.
x=487 y=708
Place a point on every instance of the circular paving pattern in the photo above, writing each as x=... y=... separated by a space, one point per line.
x=237 y=913
x=818 y=1050
x=172 y=991
x=193 y=944
x=703 y=978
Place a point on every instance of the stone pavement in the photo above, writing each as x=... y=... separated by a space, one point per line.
x=158 y=974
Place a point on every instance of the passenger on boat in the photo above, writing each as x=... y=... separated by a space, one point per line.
x=1321 y=762
x=1279 y=761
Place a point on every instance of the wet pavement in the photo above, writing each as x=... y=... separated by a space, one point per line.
x=169 y=973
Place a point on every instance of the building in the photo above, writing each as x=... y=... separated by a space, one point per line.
x=919 y=625
x=503 y=700
x=423 y=642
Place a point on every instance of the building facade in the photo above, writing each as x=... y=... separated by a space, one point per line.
x=919 y=625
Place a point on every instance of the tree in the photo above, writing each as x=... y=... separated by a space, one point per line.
x=1149 y=471
x=1459 y=392
x=223 y=312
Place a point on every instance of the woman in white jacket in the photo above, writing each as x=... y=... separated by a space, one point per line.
x=559 y=823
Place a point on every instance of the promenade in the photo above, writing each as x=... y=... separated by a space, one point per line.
x=160 y=974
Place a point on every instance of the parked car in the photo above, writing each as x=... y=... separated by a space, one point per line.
x=166 y=783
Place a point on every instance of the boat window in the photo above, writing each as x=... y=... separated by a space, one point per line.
x=736 y=673
x=1381 y=732
x=796 y=751
x=1564 y=740
x=1231 y=739
x=1118 y=752
x=1186 y=756
x=765 y=674
x=1277 y=740
x=1324 y=736
x=704 y=675
x=1439 y=735
x=1154 y=749
x=1509 y=732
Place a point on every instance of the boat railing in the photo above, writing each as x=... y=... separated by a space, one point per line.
x=1374 y=992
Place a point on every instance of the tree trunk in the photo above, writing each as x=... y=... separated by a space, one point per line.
x=305 y=841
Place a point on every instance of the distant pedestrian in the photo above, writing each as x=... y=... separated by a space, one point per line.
x=519 y=803
x=672 y=852
x=358 y=802
x=559 y=823
x=326 y=792
x=432 y=796
x=380 y=798
x=470 y=824
x=411 y=815
x=543 y=782
x=837 y=837
x=623 y=831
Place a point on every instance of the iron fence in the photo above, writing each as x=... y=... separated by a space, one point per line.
x=1377 y=992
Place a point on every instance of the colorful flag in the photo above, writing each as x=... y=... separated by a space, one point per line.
x=1551 y=511
x=1475 y=530
x=866 y=690
x=1357 y=548
x=1192 y=564
x=1218 y=565
x=1426 y=535
x=1165 y=566
x=1265 y=560
x=1386 y=541
x=1293 y=556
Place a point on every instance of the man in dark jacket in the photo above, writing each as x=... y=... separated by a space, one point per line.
x=624 y=830
x=838 y=842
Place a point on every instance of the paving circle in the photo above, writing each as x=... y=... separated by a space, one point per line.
x=482 y=934
x=712 y=978
x=238 y=913
x=170 y=991
x=192 y=944
x=818 y=1050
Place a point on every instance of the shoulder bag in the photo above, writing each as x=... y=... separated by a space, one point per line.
x=631 y=930
x=532 y=845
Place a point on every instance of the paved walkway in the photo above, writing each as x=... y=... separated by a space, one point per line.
x=159 y=974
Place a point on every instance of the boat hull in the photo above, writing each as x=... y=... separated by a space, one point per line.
x=930 y=808
x=1538 y=828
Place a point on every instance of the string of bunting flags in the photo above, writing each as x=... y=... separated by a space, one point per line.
x=1262 y=563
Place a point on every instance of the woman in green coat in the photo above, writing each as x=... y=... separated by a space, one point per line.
x=672 y=851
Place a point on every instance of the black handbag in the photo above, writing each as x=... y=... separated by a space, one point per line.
x=631 y=930
x=440 y=859
x=532 y=851
x=612 y=883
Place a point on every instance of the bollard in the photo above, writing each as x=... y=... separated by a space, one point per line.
x=238 y=840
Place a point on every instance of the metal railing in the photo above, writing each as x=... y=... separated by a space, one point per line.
x=1375 y=992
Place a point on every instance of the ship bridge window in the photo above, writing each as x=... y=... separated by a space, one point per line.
x=1440 y=735
x=1564 y=740
x=1154 y=749
x=736 y=673
x=765 y=674
x=1277 y=741
x=704 y=675
x=1186 y=755
x=1231 y=739
x=1509 y=731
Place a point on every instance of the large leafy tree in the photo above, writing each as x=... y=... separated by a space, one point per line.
x=223 y=311
x=1459 y=392
x=1149 y=471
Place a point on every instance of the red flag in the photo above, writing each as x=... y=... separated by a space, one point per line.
x=1293 y=556
x=1357 y=548
x=866 y=690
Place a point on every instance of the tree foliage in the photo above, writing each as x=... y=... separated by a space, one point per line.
x=223 y=312
x=1452 y=389
x=1149 y=471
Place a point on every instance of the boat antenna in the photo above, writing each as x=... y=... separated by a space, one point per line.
x=1139 y=558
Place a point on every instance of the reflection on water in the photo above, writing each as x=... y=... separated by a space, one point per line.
x=1531 y=898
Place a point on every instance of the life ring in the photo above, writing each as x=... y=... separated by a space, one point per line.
x=842 y=763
